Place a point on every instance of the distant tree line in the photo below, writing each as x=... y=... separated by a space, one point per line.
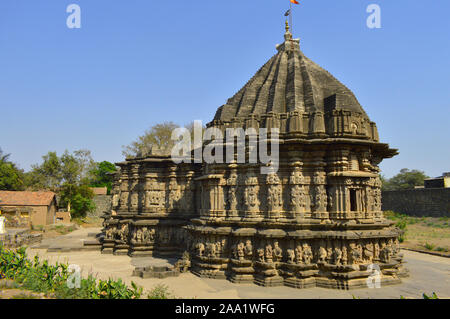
x=406 y=179
x=70 y=175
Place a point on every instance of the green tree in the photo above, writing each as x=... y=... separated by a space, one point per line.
x=55 y=171
x=406 y=179
x=157 y=138
x=48 y=175
x=11 y=177
x=103 y=175
x=77 y=199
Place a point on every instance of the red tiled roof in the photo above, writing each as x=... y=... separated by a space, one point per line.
x=10 y=198
x=100 y=190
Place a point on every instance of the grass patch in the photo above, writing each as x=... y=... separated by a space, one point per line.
x=420 y=231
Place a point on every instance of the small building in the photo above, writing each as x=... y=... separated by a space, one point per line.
x=27 y=209
x=99 y=190
x=438 y=182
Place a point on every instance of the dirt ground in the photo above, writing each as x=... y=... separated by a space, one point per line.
x=53 y=231
x=426 y=233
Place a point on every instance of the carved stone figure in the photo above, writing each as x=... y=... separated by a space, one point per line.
x=260 y=253
x=291 y=256
x=344 y=255
x=269 y=253
x=240 y=251
x=368 y=252
x=251 y=198
x=200 y=249
x=298 y=254
x=329 y=255
x=248 y=249
x=307 y=254
x=123 y=233
x=322 y=255
x=320 y=199
x=232 y=200
x=298 y=198
x=274 y=199
x=376 y=251
x=277 y=252
x=210 y=250
x=337 y=256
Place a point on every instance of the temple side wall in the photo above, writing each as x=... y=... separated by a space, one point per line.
x=429 y=202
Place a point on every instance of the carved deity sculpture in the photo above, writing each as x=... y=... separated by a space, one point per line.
x=277 y=252
x=231 y=198
x=200 y=249
x=298 y=198
x=269 y=253
x=260 y=253
x=337 y=256
x=368 y=252
x=329 y=255
x=274 y=199
x=210 y=250
x=320 y=199
x=355 y=253
x=290 y=256
x=344 y=255
x=251 y=197
x=248 y=249
x=240 y=251
x=385 y=253
x=307 y=254
x=299 y=254
x=322 y=255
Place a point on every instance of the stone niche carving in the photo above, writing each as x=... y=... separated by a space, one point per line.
x=316 y=221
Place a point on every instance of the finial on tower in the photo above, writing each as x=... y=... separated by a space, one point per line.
x=287 y=26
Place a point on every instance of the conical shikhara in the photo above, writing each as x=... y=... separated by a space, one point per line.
x=317 y=221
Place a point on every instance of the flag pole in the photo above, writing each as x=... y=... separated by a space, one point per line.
x=290 y=16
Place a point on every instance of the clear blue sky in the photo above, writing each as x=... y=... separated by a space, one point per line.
x=135 y=63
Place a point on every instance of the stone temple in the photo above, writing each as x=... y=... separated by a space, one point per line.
x=317 y=221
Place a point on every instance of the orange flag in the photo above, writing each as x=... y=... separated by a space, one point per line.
x=295 y=1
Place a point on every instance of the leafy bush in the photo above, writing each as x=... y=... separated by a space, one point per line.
x=433 y=296
x=160 y=292
x=42 y=277
x=429 y=246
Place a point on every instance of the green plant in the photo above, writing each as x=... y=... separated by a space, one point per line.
x=433 y=296
x=160 y=292
x=43 y=277
x=429 y=246
x=111 y=289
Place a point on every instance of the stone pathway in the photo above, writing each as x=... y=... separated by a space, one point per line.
x=73 y=241
x=427 y=274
